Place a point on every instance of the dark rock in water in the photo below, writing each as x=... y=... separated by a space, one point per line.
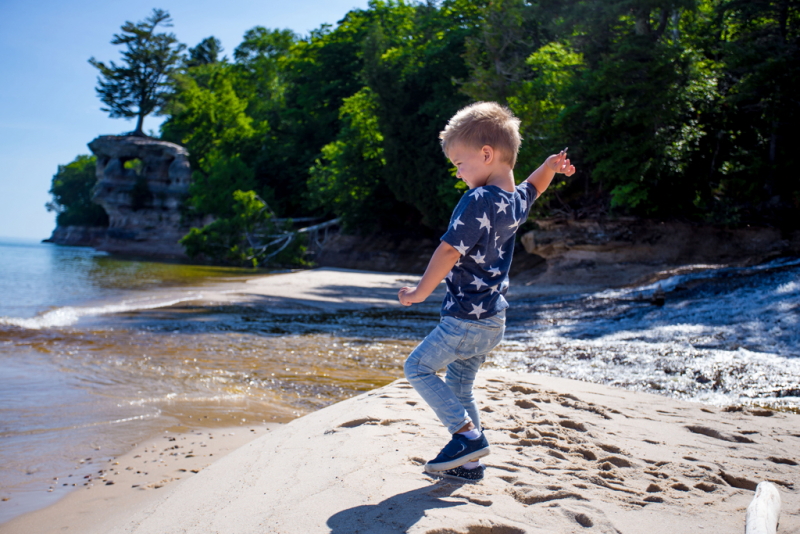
x=658 y=297
x=78 y=236
x=141 y=184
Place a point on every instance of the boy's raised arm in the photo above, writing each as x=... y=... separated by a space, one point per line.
x=441 y=263
x=557 y=163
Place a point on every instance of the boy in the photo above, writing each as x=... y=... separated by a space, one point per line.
x=474 y=256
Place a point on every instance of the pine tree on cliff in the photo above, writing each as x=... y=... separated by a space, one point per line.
x=139 y=85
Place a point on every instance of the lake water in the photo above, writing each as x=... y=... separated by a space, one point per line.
x=97 y=352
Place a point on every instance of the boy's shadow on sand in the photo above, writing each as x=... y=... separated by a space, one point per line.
x=395 y=514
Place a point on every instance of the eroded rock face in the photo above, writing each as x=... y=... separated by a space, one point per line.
x=637 y=240
x=144 y=200
x=589 y=254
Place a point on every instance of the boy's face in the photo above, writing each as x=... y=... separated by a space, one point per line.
x=472 y=164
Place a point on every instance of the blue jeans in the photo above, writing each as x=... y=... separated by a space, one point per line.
x=461 y=346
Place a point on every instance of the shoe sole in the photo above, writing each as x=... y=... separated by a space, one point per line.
x=445 y=466
x=442 y=474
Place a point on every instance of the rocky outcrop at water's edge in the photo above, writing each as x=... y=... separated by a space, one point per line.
x=572 y=256
x=621 y=252
x=143 y=199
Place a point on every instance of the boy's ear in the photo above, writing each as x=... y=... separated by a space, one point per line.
x=488 y=154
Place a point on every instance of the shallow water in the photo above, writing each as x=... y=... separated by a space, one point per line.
x=97 y=353
x=724 y=336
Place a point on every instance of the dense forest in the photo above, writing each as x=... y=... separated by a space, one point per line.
x=671 y=109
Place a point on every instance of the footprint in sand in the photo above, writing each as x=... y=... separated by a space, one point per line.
x=713 y=433
x=567 y=423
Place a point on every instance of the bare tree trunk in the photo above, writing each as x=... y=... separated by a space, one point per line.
x=139 y=124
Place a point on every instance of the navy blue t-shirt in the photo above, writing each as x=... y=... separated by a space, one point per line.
x=482 y=229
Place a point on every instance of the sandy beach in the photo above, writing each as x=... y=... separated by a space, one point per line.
x=567 y=456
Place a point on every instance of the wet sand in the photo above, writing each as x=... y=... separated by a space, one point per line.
x=114 y=487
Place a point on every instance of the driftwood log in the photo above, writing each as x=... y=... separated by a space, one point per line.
x=764 y=511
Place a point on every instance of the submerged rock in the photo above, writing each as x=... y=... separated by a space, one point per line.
x=658 y=296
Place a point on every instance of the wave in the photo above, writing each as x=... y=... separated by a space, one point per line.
x=692 y=273
x=69 y=315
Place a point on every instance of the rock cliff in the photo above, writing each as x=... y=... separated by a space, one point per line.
x=141 y=184
x=588 y=254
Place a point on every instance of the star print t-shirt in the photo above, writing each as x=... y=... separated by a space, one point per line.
x=482 y=229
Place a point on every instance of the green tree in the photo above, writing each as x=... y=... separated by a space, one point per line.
x=139 y=85
x=206 y=52
x=318 y=73
x=508 y=32
x=751 y=160
x=209 y=119
x=346 y=180
x=250 y=236
x=413 y=55
x=72 y=194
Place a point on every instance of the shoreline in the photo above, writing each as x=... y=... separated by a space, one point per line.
x=104 y=489
x=285 y=293
x=319 y=290
x=566 y=455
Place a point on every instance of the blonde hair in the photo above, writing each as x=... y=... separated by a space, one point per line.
x=484 y=123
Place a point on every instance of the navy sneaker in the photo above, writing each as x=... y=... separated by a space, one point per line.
x=459 y=451
x=463 y=474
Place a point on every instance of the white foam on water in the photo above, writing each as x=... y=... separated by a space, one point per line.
x=69 y=315
x=733 y=338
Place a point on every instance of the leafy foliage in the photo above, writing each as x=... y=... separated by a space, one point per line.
x=679 y=108
x=72 y=194
x=205 y=53
x=414 y=55
x=250 y=236
x=346 y=180
x=138 y=86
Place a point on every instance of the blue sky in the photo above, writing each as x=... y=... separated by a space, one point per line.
x=49 y=110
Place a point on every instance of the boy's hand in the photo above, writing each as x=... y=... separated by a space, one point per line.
x=559 y=163
x=408 y=296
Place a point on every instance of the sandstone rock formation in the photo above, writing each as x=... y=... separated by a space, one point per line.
x=588 y=254
x=142 y=184
x=143 y=201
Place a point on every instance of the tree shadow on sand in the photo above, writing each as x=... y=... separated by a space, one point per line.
x=395 y=514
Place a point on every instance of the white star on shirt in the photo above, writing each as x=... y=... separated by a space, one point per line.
x=516 y=224
x=449 y=276
x=457 y=222
x=477 y=310
x=524 y=204
x=484 y=222
x=500 y=252
x=496 y=237
x=494 y=289
x=477 y=282
x=478 y=257
x=462 y=249
x=448 y=304
x=460 y=293
x=458 y=263
x=501 y=206
x=495 y=271
x=478 y=192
